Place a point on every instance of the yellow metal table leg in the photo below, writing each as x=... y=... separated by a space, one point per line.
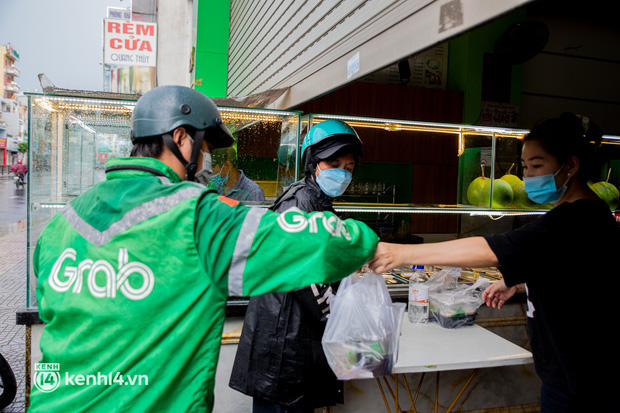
x=387 y=406
x=414 y=399
x=396 y=401
x=437 y=393
x=394 y=397
x=471 y=377
x=411 y=400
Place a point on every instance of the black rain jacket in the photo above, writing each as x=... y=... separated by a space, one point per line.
x=280 y=358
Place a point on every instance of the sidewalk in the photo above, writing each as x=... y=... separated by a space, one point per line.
x=12 y=298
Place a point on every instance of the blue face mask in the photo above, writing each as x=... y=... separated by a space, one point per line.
x=333 y=182
x=219 y=182
x=542 y=190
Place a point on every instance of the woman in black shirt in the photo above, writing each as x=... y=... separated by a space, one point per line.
x=567 y=259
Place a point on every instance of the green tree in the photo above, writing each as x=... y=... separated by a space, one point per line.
x=22 y=148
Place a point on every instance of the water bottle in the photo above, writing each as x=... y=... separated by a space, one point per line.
x=418 y=296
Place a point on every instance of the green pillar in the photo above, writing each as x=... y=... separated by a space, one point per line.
x=212 y=28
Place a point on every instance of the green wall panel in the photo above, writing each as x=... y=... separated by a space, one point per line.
x=211 y=49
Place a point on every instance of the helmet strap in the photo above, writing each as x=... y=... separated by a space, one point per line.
x=192 y=165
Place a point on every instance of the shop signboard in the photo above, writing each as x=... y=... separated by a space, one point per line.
x=130 y=55
x=499 y=114
x=119 y=13
x=130 y=43
x=428 y=69
x=11 y=144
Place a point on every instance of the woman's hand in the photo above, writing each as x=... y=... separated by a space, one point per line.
x=388 y=256
x=497 y=294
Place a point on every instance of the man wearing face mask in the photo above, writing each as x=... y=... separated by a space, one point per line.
x=230 y=181
x=133 y=275
x=280 y=360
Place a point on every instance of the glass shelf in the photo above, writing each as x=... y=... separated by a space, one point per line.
x=432 y=209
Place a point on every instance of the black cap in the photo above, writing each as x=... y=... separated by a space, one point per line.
x=339 y=143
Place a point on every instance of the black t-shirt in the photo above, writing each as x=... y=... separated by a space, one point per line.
x=568 y=259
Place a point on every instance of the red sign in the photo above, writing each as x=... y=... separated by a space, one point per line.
x=130 y=43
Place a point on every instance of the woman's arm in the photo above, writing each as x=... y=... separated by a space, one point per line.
x=465 y=252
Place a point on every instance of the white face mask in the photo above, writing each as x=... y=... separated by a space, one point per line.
x=206 y=171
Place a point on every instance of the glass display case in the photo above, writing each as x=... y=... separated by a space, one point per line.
x=70 y=140
x=72 y=137
x=402 y=156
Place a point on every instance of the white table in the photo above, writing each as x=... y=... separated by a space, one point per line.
x=432 y=348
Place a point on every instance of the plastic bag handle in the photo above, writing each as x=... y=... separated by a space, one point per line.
x=347 y=282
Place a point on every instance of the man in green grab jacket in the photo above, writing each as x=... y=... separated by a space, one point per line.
x=133 y=275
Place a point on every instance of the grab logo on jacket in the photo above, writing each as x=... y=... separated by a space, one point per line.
x=298 y=222
x=86 y=271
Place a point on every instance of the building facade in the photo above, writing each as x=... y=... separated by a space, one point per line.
x=8 y=58
x=12 y=109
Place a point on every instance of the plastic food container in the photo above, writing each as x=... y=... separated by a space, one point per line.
x=455 y=321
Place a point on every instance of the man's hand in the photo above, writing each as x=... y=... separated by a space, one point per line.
x=388 y=256
x=497 y=294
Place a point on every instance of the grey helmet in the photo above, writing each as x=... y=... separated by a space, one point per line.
x=163 y=109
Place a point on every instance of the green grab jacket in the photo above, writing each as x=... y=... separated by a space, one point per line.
x=133 y=278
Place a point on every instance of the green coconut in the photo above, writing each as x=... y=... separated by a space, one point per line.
x=607 y=192
x=502 y=194
x=521 y=200
x=510 y=178
x=474 y=190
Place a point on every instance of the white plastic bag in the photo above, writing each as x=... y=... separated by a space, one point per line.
x=454 y=304
x=362 y=332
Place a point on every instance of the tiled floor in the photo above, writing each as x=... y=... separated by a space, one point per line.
x=12 y=298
